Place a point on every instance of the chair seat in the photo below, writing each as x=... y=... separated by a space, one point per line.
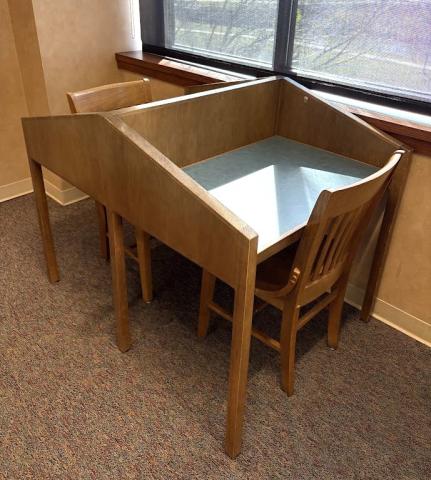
x=273 y=274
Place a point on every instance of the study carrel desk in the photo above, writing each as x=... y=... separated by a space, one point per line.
x=133 y=160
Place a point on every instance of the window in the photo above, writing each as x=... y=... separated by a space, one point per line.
x=242 y=31
x=380 y=46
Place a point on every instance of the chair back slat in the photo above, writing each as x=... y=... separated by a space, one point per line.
x=110 y=97
x=339 y=238
x=326 y=246
x=332 y=234
x=345 y=240
x=335 y=226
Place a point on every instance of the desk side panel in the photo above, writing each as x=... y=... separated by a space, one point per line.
x=130 y=177
x=305 y=118
x=199 y=127
x=68 y=145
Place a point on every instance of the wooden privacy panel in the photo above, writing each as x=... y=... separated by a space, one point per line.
x=69 y=145
x=193 y=128
x=210 y=86
x=103 y=157
x=128 y=159
x=308 y=119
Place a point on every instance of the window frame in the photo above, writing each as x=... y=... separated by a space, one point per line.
x=153 y=34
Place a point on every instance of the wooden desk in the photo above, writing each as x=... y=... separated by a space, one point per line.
x=132 y=161
x=272 y=185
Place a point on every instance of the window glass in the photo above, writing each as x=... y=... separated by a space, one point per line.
x=379 y=45
x=234 y=30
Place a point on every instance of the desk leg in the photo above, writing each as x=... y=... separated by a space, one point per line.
x=119 y=283
x=395 y=192
x=376 y=267
x=240 y=349
x=44 y=223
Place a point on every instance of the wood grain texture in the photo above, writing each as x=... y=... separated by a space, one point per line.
x=210 y=86
x=197 y=79
x=394 y=196
x=319 y=123
x=119 y=282
x=315 y=270
x=190 y=76
x=394 y=125
x=110 y=97
x=130 y=161
x=103 y=230
x=43 y=217
x=112 y=163
x=336 y=130
x=168 y=69
x=193 y=128
x=240 y=349
x=417 y=146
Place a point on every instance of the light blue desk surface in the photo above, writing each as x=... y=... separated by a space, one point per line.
x=273 y=184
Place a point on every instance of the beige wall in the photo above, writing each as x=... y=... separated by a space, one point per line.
x=13 y=163
x=49 y=47
x=87 y=34
x=407 y=277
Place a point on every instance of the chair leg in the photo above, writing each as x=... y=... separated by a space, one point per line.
x=335 y=311
x=143 y=244
x=207 y=294
x=288 y=345
x=103 y=230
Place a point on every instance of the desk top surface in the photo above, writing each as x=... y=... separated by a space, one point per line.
x=273 y=184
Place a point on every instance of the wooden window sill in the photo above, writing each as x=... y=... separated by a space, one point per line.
x=415 y=135
x=170 y=70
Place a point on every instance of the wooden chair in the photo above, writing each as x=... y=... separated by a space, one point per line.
x=315 y=269
x=106 y=98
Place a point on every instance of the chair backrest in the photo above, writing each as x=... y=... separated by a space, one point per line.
x=333 y=231
x=110 y=97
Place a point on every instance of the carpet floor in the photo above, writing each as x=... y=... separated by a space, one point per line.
x=73 y=407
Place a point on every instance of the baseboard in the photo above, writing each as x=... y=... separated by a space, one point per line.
x=24 y=187
x=395 y=317
x=15 y=189
x=64 y=197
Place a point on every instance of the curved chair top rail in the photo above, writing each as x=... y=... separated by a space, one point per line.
x=110 y=97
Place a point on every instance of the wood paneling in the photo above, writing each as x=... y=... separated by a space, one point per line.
x=192 y=129
x=121 y=170
x=115 y=157
x=182 y=73
x=309 y=119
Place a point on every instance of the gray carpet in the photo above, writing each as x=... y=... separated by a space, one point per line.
x=73 y=407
